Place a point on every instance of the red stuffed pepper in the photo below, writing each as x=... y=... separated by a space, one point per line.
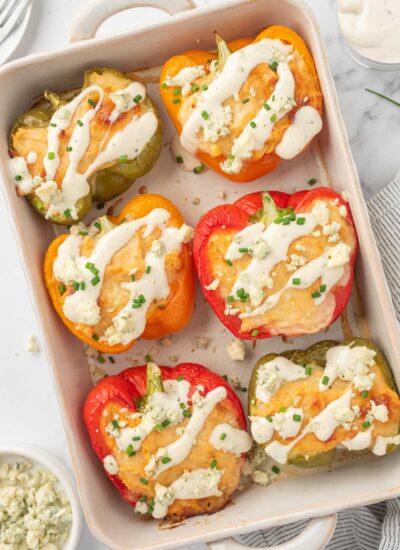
x=172 y=440
x=277 y=264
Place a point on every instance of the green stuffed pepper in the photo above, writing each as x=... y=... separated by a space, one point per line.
x=86 y=145
x=304 y=405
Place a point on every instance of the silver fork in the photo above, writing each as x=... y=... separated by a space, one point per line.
x=10 y=14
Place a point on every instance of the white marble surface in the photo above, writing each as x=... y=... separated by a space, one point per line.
x=28 y=407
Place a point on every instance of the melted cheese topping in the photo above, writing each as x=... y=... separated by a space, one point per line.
x=62 y=186
x=98 y=278
x=331 y=408
x=242 y=127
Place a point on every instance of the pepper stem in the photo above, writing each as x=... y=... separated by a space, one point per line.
x=222 y=49
x=154 y=379
x=268 y=212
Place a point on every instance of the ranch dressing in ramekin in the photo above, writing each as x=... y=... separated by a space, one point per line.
x=371 y=29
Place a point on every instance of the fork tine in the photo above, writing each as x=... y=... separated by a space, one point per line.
x=13 y=20
x=8 y=11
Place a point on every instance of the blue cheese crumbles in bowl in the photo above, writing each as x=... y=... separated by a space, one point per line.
x=39 y=506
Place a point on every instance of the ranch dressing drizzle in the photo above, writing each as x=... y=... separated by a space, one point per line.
x=362 y=440
x=371 y=27
x=226 y=438
x=226 y=83
x=197 y=484
x=20 y=174
x=81 y=306
x=185 y=76
x=381 y=443
x=272 y=374
x=351 y=364
x=307 y=124
x=126 y=99
x=322 y=426
x=184 y=160
x=283 y=423
x=180 y=449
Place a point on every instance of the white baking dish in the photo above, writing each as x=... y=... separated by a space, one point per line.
x=329 y=160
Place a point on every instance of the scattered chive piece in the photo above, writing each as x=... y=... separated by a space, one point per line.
x=308 y=370
x=297 y=417
x=325 y=380
x=111 y=359
x=246 y=100
x=187 y=413
x=179 y=160
x=176 y=100
x=182 y=405
x=195 y=88
x=278 y=220
x=129 y=450
x=230 y=299
x=148 y=358
x=165 y=459
x=282 y=409
x=383 y=97
x=253 y=124
x=95 y=337
x=137 y=98
x=300 y=221
x=269 y=418
x=69 y=148
x=51 y=156
x=89 y=265
x=180 y=378
x=254 y=333
x=95 y=280
x=273 y=118
x=275 y=469
x=136 y=438
x=79 y=122
x=91 y=102
x=266 y=106
x=18 y=178
x=82 y=286
x=311 y=181
x=165 y=423
x=292 y=216
x=198 y=169
x=205 y=115
x=144 y=481
x=148 y=269
x=101 y=359
x=366 y=424
x=135 y=305
x=204 y=87
x=315 y=294
x=122 y=158
x=229 y=262
x=243 y=250
x=176 y=91
x=222 y=436
x=286 y=221
x=67 y=212
x=213 y=464
x=163 y=85
x=143 y=498
x=142 y=299
x=97 y=225
x=115 y=424
x=83 y=232
x=322 y=288
x=132 y=278
x=296 y=281
x=231 y=157
x=61 y=288
x=274 y=65
x=53 y=124
x=364 y=394
x=100 y=205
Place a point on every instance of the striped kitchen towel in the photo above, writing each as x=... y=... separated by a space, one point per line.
x=375 y=527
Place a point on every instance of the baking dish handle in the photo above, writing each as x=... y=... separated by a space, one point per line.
x=97 y=11
x=315 y=536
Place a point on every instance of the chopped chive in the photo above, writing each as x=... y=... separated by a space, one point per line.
x=67 y=212
x=122 y=158
x=243 y=250
x=137 y=98
x=51 y=156
x=246 y=100
x=273 y=118
x=253 y=124
x=230 y=299
x=53 y=124
x=205 y=115
x=213 y=464
x=296 y=281
x=69 y=148
x=91 y=102
x=229 y=262
x=176 y=100
x=95 y=280
x=62 y=288
x=179 y=160
x=18 y=178
x=204 y=87
x=79 y=122
x=301 y=221
x=311 y=181
x=165 y=459
x=187 y=413
x=94 y=270
x=97 y=225
x=83 y=233
x=195 y=88
x=278 y=220
x=198 y=169
x=275 y=469
x=222 y=436
x=115 y=424
x=322 y=288
x=297 y=417
x=136 y=438
x=89 y=265
x=315 y=294
x=142 y=299
x=180 y=378
x=143 y=498
x=163 y=85
x=286 y=221
x=364 y=394
x=292 y=216
x=182 y=405
x=75 y=284
x=366 y=424
x=130 y=451
x=101 y=359
x=148 y=358
x=231 y=157
x=240 y=293
x=325 y=380
x=144 y=481
x=132 y=278
x=176 y=91
x=95 y=337
x=267 y=107
x=308 y=370
x=165 y=423
x=148 y=269
x=274 y=65
x=269 y=418
x=254 y=333
x=283 y=409
x=111 y=359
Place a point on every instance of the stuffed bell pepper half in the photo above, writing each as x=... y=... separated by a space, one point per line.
x=172 y=440
x=81 y=146
x=241 y=110
x=277 y=264
x=124 y=277
x=305 y=405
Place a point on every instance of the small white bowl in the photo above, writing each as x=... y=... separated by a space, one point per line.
x=45 y=460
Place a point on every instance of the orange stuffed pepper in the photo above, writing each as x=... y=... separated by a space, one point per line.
x=124 y=277
x=243 y=109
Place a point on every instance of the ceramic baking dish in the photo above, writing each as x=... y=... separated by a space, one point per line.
x=329 y=160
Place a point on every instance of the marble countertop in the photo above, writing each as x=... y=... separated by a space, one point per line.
x=28 y=407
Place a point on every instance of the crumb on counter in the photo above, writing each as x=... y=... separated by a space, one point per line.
x=236 y=350
x=201 y=342
x=32 y=345
x=143 y=190
x=196 y=201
